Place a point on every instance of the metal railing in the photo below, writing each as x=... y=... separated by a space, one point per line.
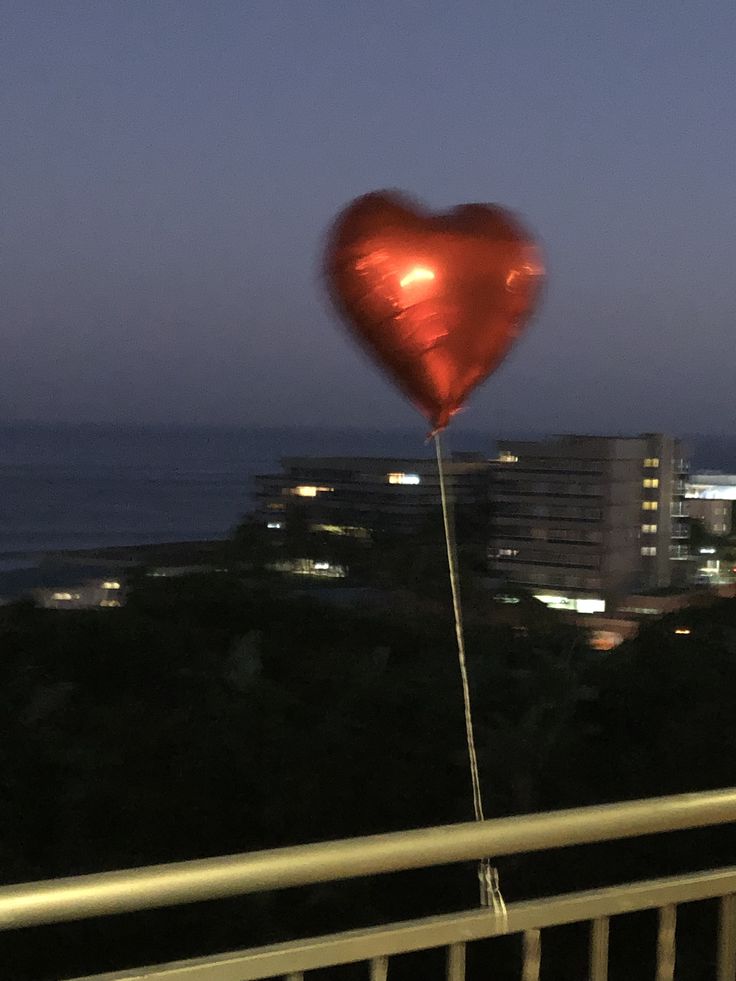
x=110 y=893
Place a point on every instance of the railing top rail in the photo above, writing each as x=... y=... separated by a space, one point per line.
x=108 y=893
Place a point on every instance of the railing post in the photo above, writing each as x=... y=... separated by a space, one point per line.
x=379 y=968
x=599 y=949
x=727 y=939
x=666 y=943
x=456 y=962
x=532 y=955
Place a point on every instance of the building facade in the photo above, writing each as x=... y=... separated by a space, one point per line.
x=365 y=496
x=710 y=498
x=584 y=520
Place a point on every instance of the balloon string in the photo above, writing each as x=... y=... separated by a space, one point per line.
x=490 y=890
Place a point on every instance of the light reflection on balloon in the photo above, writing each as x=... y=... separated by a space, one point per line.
x=437 y=300
x=417 y=275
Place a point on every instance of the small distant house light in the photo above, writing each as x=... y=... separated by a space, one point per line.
x=682 y=631
x=274 y=524
x=111 y=584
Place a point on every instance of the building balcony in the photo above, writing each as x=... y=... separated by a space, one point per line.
x=680 y=530
x=680 y=510
x=131 y=890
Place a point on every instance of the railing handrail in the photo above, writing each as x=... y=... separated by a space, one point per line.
x=129 y=890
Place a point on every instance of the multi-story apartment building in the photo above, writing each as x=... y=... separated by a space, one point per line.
x=361 y=496
x=584 y=520
x=710 y=500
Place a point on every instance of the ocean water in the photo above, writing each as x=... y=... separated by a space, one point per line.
x=66 y=487
x=75 y=487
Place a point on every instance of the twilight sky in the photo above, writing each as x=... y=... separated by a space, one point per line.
x=168 y=169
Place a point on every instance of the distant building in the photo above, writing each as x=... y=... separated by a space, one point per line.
x=102 y=593
x=714 y=515
x=53 y=583
x=73 y=580
x=710 y=498
x=583 y=520
x=608 y=631
x=362 y=496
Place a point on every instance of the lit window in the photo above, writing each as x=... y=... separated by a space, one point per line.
x=309 y=490
x=308 y=567
x=62 y=596
x=274 y=524
x=649 y=529
x=111 y=584
x=507 y=551
x=650 y=505
x=352 y=531
x=651 y=461
x=508 y=458
x=683 y=631
x=555 y=602
x=650 y=482
x=648 y=550
x=110 y=603
x=404 y=478
x=590 y=606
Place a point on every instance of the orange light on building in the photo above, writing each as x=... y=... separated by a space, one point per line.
x=683 y=631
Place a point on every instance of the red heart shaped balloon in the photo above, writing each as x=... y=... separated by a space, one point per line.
x=436 y=299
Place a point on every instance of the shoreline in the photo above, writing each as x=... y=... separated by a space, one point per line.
x=26 y=558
